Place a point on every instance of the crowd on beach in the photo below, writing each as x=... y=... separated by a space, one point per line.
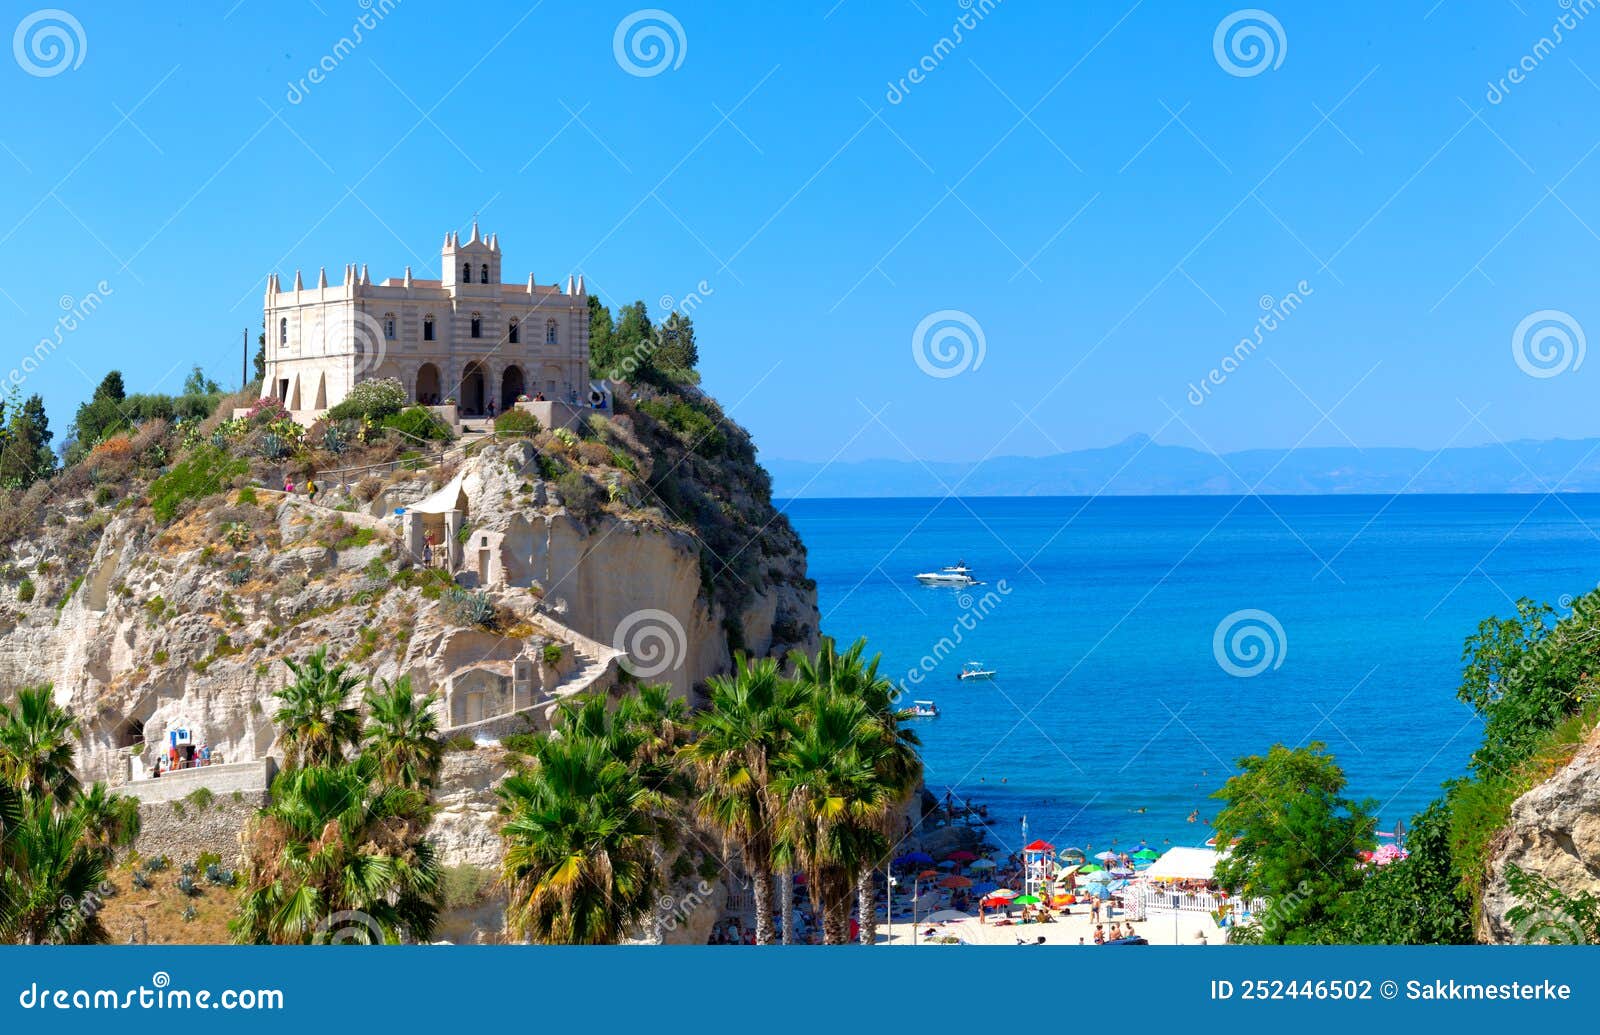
x=1048 y=895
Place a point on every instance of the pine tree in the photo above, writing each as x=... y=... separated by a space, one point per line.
x=99 y=417
x=25 y=454
x=678 y=353
x=602 y=344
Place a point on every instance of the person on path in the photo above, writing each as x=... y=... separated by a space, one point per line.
x=311 y=489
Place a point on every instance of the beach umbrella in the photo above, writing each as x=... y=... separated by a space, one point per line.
x=947 y=865
x=956 y=881
x=1146 y=853
x=983 y=864
x=1106 y=857
x=927 y=874
x=962 y=856
x=1091 y=868
x=1025 y=900
x=1003 y=893
x=918 y=857
x=1076 y=852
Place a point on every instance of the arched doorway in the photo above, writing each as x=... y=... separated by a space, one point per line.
x=511 y=386
x=473 y=393
x=428 y=385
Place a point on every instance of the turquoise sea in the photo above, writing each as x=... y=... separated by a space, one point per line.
x=1111 y=717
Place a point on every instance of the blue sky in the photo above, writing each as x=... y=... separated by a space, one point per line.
x=1086 y=183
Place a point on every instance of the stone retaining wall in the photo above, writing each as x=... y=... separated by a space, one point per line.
x=173 y=823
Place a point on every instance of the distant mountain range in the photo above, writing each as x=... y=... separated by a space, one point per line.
x=1139 y=467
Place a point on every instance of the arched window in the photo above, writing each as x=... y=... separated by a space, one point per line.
x=477 y=326
x=513 y=334
x=484 y=278
x=388 y=326
x=550 y=333
x=283 y=331
x=427 y=327
x=466 y=272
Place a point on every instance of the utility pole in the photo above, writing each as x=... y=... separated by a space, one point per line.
x=244 y=358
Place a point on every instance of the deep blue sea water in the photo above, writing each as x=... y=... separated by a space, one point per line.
x=1109 y=697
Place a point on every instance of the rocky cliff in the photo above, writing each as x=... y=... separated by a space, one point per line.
x=632 y=547
x=1554 y=832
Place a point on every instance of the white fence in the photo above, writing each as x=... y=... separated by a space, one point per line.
x=1141 y=900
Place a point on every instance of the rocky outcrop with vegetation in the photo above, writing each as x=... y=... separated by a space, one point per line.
x=162 y=580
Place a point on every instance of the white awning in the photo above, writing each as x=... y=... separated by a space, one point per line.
x=1184 y=864
x=441 y=502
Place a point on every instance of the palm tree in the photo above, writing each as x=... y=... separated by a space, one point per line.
x=339 y=855
x=402 y=734
x=110 y=821
x=890 y=746
x=580 y=862
x=739 y=735
x=314 y=723
x=834 y=803
x=50 y=878
x=36 y=753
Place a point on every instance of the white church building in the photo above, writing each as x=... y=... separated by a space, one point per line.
x=466 y=338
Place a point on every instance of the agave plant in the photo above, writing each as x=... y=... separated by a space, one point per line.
x=469 y=608
x=272 y=446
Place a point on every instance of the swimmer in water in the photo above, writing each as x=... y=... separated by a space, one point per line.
x=1194 y=815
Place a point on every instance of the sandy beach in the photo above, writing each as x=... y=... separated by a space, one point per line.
x=1070 y=929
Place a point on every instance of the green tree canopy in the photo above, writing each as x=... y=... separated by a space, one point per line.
x=1294 y=838
x=25 y=454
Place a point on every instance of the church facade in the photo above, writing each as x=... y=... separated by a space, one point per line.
x=467 y=338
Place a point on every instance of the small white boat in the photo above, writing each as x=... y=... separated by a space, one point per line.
x=923 y=710
x=957 y=574
x=975 y=670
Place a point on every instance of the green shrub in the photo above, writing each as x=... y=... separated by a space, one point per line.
x=247 y=496
x=104 y=495
x=522 y=743
x=204 y=472
x=357 y=537
x=552 y=654
x=461 y=742
x=579 y=494
x=517 y=422
x=419 y=422
x=25 y=590
x=697 y=430
x=464 y=885
x=370 y=400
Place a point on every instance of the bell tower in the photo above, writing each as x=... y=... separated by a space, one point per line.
x=466 y=266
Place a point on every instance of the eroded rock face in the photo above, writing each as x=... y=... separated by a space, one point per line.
x=174 y=628
x=1554 y=832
